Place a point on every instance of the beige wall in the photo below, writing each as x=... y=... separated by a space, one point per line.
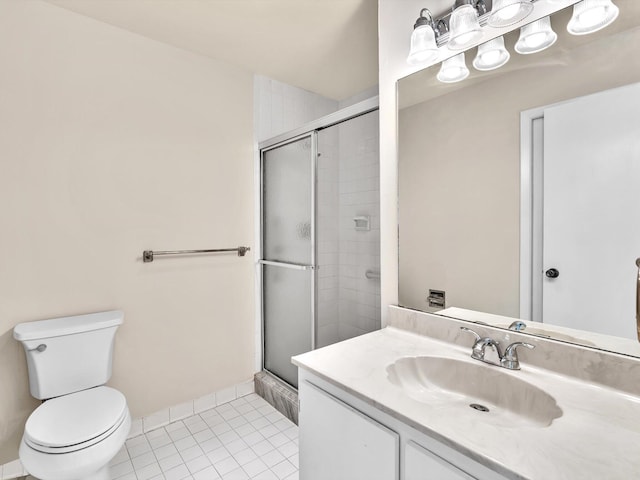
x=459 y=174
x=111 y=143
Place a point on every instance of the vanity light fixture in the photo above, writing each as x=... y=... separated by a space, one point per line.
x=464 y=26
x=509 y=12
x=491 y=55
x=536 y=36
x=453 y=69
x=592 y=15
x=461 y=28
x=423 y=40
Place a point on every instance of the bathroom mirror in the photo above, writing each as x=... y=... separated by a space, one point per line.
x=478 y=178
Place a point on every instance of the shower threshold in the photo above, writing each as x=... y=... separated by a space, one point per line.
x=282 y=396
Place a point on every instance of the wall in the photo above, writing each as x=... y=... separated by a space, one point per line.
x=395 y=24
x=111 y=144
x=280 y=107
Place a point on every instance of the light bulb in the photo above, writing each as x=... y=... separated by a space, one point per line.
x=509 y=12
x=491 y=55
x=464 y=27
x=466 y=37
x=591 y=15
x=423 y=45
x=453 y=69
x=535 y=39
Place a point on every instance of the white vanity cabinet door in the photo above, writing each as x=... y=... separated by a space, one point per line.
x=421 y=464
x=340 y=443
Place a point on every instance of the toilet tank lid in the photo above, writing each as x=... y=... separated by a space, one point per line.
x=56 y=327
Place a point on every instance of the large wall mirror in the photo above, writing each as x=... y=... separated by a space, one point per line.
x=519 y=188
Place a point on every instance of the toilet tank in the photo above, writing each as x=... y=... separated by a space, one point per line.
x=68 y=354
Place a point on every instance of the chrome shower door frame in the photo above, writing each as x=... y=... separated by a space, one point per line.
x=313 y=137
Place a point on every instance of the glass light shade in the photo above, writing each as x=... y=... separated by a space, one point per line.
x=423 y=45
x=464 y=28
x=453 y=69
x=509 y=12
x=536 y=37
x=591 y=15
x=491 y=55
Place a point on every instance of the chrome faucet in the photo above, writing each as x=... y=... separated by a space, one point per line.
x=510 y=358
x=518 y=326
x=480 y=346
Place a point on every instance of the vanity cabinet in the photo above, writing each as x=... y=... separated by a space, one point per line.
x=345 y=438
x=341 y=442
x=421 y=464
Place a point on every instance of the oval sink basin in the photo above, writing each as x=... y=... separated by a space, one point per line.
x=493 y=393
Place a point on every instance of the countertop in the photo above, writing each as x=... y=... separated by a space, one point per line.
x=598 y=435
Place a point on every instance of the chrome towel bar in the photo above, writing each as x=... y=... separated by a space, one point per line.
x=148 y=255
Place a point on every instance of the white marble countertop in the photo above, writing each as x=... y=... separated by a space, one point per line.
x=597 y=437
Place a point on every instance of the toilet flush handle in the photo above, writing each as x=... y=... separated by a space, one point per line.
x=41 y=348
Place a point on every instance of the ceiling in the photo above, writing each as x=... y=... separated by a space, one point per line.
x=326 y=46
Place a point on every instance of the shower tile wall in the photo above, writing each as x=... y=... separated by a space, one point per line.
x=279 y=108
x=348 y=187
x=359 y=195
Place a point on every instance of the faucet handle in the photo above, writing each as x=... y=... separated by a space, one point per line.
x=518 y=326
x=510 y=358
x=475 y=334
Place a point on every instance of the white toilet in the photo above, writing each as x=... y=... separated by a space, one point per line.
x=82 y=424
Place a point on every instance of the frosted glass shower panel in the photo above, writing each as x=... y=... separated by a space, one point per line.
x=287 y=318
x=287 y=202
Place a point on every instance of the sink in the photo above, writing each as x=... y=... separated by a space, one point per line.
x=473 y=388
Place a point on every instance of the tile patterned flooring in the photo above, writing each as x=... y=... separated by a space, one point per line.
x=246 y=439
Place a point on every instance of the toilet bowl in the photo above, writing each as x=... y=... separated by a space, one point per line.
x=75 y=436
x=83 y=424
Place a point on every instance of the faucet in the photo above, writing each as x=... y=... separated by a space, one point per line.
x=510 y=358
x=518 y=326
x=480 y=346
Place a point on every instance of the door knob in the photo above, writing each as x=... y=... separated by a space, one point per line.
x=552 y=273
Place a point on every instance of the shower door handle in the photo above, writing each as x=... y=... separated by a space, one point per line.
x=293 y=266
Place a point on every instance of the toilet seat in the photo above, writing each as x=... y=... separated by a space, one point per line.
x=75 y=421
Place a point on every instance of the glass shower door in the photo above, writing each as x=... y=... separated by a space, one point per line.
x=288 y=256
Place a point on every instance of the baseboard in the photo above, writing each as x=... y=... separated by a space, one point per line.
x=178 y=412
x=14 y=469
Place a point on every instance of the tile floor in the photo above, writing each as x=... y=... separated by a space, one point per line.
x=243 y=439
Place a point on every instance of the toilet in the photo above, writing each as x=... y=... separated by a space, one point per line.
x=82 y=424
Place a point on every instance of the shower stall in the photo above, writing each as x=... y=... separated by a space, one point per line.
x=320 y=236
